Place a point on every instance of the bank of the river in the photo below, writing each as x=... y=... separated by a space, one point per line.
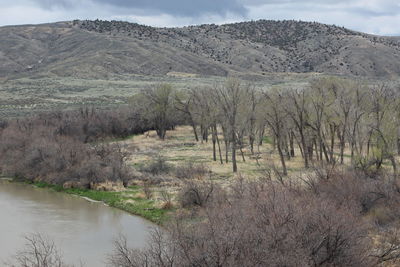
x=129 y=200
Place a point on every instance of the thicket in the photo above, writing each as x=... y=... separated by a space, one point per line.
x=334 y=222
x=72 y=146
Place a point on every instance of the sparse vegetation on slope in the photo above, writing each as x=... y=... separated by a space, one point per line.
x=110 y=48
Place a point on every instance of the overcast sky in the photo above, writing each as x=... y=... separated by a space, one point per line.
x=371 y=16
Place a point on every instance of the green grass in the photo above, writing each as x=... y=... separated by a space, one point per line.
x=138 y=206
x=267 y=140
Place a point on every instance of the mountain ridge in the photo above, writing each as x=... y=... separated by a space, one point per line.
x=101 y=49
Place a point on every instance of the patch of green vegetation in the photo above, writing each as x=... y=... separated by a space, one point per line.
x=177 y=158
x=134 y=205
x=138 y=165
x=267 y=140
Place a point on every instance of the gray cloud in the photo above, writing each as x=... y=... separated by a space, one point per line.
x=372 y=16
x=173 y=7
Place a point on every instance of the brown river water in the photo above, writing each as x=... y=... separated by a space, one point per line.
x=82 y=230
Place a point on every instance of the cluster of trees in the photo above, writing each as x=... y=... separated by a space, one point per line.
x=57 y=147
x=323 y=122
x=329 y=120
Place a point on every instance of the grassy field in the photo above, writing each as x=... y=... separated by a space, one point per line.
x=21 y=96
x=180 y=147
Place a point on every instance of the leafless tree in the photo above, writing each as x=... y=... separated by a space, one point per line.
x=38 y=252
x=275 y=116
x=231 y=98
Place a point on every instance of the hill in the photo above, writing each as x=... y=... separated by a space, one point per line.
x=104 y=49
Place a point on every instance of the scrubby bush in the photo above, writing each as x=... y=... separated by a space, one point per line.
x=197 y=193
x=190 y=170
x=147 y=191
x=167 y=199
x=377 y=197
x=158 y=166
x=261 y=223
x=58 y=147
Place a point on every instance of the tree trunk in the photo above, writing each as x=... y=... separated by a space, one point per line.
x=241 y=152
x=214 y=150
x=398 y=146
x=286 y=146
x=394 y=165
x=291 y=144
x=305 y=150
x=261 y=137
x=251 y=141
x=226 y=151
x=342 y=146
x=282 y=157
x=332 y=130
x=219 y=146
x=196 y=137
x=234 y=164
x=214 y=141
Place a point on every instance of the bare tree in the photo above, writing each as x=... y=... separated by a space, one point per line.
x=184 y=103
x=275 y=116
x=38 y=252
x=231 y=98
x=297 y=108
x=160 y=105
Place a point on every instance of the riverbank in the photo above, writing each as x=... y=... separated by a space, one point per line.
x=129 y=200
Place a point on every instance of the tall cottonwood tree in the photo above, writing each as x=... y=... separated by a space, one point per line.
x=231 y=99
x=184 y=102
x=276 y=117
x=297 y=109
x=160 y=105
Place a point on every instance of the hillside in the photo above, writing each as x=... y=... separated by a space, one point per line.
x=103 y=49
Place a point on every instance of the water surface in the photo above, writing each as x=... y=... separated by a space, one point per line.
x=82 y=230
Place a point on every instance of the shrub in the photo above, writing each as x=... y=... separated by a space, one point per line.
x=54 y=147
x=147 y=191
x=267 y=224
x=167 y=199
x=191 y=170
x=378 y=197
x=196 y=193
x=157 y=166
